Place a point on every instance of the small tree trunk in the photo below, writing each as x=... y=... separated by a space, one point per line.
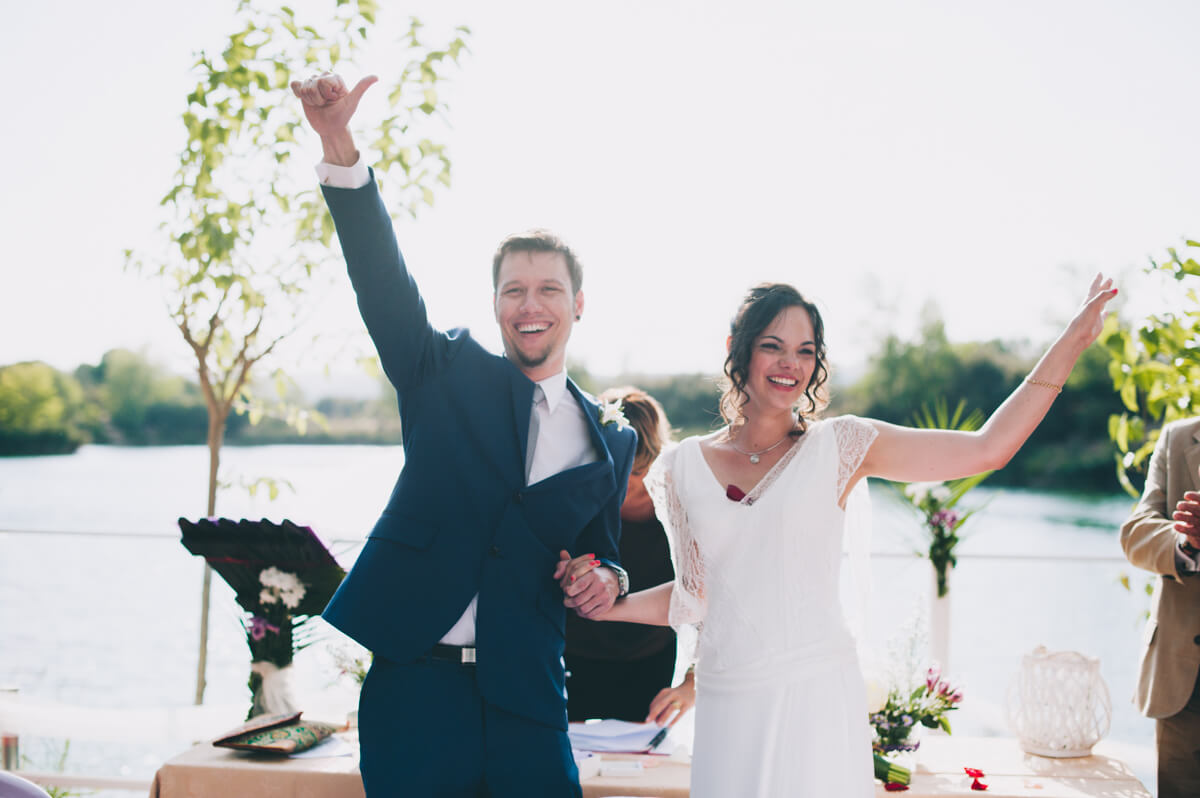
x=216 y=435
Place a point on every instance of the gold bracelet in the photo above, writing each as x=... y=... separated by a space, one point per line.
x=1050 y=385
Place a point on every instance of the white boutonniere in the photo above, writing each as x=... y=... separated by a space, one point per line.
x=611 y=413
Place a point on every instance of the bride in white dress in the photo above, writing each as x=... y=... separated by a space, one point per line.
x=756 y=513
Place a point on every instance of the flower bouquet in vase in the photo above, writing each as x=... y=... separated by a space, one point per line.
x=911 y=696
x=937 y=505
x=898 y=721
x=283 y=577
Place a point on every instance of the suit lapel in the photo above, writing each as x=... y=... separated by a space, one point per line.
x=591 y=412
x=521 y=388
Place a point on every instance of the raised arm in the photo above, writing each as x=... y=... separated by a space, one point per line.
x=905 y=454
x=328 y=107
x=388 y=299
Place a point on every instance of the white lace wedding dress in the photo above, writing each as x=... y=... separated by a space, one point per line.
x=781 y=706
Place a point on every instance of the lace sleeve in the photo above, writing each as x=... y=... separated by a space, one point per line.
x=688 y=605
x=854 y=438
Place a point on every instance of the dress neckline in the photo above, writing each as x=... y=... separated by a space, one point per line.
x=767 y=479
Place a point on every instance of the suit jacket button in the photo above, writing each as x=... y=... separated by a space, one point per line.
x=494 y=551
x=1196 y=640
x=519 y=498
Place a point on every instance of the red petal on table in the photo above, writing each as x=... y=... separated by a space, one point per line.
x=978 y=785
x=974 y=773
x=895 y=786
x=734 y=493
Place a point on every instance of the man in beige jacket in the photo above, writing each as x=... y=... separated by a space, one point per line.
x=1163 y=536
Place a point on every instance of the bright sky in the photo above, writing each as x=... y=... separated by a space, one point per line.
x=878 y=155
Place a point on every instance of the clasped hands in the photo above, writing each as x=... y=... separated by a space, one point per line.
x=589 y=589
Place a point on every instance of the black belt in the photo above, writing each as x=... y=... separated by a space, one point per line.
x=462 y=655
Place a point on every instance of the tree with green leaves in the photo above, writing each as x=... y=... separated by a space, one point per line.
x=40 y=410
x=246 y=235
x=141 y=401
x=1155 y=365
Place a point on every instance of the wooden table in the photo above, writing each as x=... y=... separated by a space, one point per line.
x=207 y=772
x=1012 y=773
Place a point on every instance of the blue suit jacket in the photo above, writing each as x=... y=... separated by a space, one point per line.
x=461 y=520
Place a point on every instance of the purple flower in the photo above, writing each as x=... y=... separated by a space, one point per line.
x=259 y=628
x=944 y=518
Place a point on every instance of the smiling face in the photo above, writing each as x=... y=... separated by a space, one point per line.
x=782 y=362
x=775 y=355
x=536 y=309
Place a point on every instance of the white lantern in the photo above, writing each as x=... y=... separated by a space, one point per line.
x=1058 y=704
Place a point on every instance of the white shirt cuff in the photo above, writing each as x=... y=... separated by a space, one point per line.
x=333 y=176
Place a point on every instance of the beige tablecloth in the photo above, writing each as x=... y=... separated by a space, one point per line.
x=207 y=772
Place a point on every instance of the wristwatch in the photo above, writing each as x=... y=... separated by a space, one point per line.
x=622 y=577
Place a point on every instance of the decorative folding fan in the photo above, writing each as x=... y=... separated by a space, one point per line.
x=241 y=550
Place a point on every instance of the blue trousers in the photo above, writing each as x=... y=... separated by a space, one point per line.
x=425 y=731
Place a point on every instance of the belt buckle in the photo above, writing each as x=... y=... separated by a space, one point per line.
x=468 y=655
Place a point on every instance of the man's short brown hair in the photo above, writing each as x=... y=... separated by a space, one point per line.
x=538 y=241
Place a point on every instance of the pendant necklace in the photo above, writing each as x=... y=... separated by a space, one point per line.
x=756 y=456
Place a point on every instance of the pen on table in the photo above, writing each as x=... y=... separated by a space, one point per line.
x=658 y=738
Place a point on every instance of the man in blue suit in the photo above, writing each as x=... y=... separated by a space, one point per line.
x=507 y=464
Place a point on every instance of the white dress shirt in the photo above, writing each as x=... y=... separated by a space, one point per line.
x=562 y=443
x=562 y=435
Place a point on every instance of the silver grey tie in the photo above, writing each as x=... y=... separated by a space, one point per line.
x=539 y=397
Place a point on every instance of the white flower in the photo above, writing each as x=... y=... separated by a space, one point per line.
x=281 y=586
x=291 y=598
x=941 y=494
x=611 y=413
x=877 y=696
x=917 y=491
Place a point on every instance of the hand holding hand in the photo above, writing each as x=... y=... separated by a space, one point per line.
x=590 y=590
x=671 y=702
x=570 y=569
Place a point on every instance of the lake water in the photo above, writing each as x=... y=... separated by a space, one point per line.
x=111 y=620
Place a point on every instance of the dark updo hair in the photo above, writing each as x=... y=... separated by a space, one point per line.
x=762 y=305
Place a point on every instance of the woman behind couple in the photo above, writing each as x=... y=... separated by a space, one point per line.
x=756 y=513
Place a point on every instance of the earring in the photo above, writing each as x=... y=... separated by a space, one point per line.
x=578 y=318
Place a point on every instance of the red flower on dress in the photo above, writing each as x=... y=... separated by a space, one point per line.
x=734 y=493
x=895 y=786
